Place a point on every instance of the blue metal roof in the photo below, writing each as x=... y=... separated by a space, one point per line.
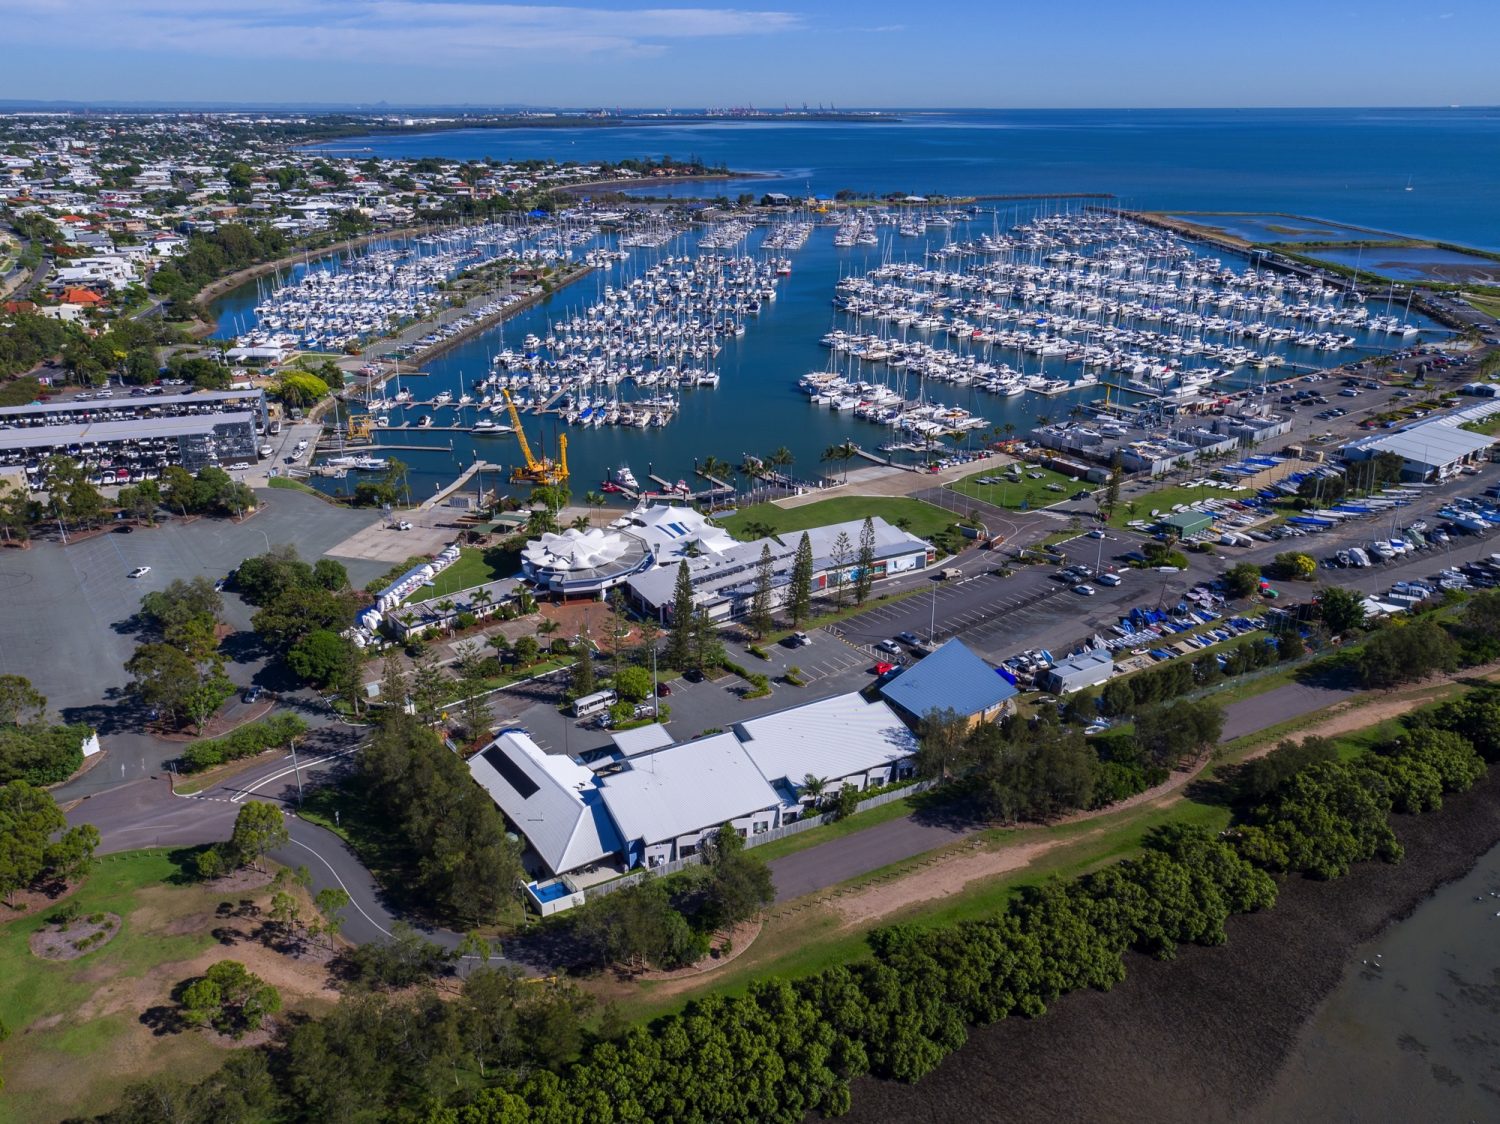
x=952 y=678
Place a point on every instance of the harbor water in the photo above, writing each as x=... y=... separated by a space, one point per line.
x=1340 y=166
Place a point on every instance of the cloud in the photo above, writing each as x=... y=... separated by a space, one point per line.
x=426 y=32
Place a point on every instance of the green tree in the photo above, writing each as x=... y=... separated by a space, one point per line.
x=842 y=556
x=633 y=684
x=1242 y=580
x=330 y=574
x=864 y=575
x=230 y=998
x=583 y=682
x=679 y=653
x=738 y=885
x=1342 y=610
x=1293 y=565
x=1403 y=652
x=322 y=658
x=799 y=595
x=258 y=828
x=20 y=701
x=759 y=619
x=29 y=819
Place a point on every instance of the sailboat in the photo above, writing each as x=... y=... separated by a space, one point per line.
x=1408 y=183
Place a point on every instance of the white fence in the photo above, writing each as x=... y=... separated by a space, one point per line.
x=781 y=832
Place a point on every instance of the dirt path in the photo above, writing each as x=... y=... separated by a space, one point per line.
x=949 y=872
x=941 y=876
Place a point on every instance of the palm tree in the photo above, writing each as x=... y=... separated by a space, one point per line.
x=581 y=523
x=814 y=787
x=845 y=451
x=752 y=467
x=714 y=467
x=594 y=499
x=481 y=598
x=446 y=607
x=781 y=460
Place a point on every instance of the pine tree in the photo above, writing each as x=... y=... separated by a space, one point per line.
x=708 y=649
x=864 y=576
x=799 y=597
x=680 y=636
x=759 y=619
x=842 y=555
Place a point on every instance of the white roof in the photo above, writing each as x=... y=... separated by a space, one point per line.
x=830 y=738
x=669 y=529
x=641 y=739
x=686 y=788
x=551 y=799
x=1431 y=443
x=576 y=550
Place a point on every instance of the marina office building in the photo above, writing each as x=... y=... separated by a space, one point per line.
x=642 y=551
x=652 y=801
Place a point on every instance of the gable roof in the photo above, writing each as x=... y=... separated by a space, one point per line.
x=952 y=678
x=685 y=788
x=831 y=738
x=552 y=799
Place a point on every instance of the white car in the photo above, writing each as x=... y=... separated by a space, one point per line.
x=140 y=571
x=1085 y=589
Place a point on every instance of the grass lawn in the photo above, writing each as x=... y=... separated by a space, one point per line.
x=1490 y=306
x=1025 y=496
x=1163 y=500
x=76 y=1030
x=777 y=848
x=294 y=485
x=922 y=519
x=470 y=570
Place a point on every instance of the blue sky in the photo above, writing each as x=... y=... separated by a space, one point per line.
x=990 y=53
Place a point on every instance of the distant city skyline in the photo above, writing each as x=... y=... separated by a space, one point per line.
x=878 y=53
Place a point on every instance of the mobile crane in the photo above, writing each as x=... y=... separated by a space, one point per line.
x=536 y=471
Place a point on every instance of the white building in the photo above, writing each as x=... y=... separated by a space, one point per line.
x=654 y=801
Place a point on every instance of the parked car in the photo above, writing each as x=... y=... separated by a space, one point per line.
x=140 y=571
x=252 y=694
x=663 y=690
x=1084 y=589
x=908 y=638
x=890 y=646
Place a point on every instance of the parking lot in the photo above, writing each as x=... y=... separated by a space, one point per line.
x=69 y=608
x=828 y=666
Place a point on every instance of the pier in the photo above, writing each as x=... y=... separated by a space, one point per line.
x=464 y=477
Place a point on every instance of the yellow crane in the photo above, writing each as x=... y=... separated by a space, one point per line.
x=536 y=471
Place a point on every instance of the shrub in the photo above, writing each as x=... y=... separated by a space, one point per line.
x=247 y=741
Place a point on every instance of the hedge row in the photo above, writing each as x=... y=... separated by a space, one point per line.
x=247 y=741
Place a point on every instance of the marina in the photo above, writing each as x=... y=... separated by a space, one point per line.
x=950 y=328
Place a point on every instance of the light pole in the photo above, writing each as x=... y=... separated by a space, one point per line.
x=297 y=769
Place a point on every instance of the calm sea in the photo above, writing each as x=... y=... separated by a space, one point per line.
x=1413 y=1032
x=1342 y=166
x=1346 y=165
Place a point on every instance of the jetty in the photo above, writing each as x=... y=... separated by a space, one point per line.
x=464 y=477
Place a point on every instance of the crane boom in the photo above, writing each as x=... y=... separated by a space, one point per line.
x=515 y=420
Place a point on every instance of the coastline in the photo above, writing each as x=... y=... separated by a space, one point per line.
x=1204 y=1037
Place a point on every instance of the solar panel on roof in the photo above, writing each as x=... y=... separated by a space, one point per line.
x=514 y=775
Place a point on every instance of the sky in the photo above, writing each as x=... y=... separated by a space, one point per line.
x=871 y=53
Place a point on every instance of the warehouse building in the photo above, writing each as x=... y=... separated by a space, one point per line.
x=1430 y=450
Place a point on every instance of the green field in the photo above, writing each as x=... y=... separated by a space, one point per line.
x=1164 y=499
x=1024 y=496
x=75 y=1030
x=470 y=570
x=921 y=519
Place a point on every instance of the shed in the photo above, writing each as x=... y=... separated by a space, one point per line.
x=1186 y=523
x=1075 y=673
